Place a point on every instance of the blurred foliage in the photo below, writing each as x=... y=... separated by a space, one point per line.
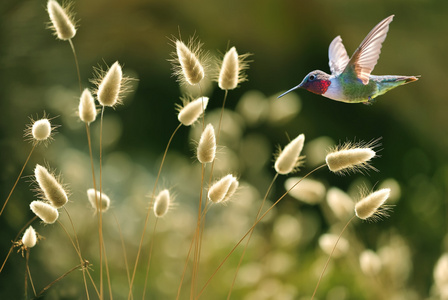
x=287 y=39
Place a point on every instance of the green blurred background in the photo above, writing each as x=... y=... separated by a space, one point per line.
x=287 y=39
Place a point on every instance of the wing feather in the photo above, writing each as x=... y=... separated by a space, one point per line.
x=366 y=56
x=338 y=57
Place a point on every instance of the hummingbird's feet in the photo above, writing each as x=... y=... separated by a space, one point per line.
x=370 y=101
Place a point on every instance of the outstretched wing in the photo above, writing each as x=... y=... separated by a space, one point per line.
x=338 y=58
x=365 y=57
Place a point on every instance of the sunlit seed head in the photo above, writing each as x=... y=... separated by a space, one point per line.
x=99 y=201
x=222 y=190
x=231 y=70
x=192 y=110
x=351 y=157
x=440 y=273
x=61 y=19
x=109 y=88
x=289 y=159
x=29 y=238
x=41 y=130
x=206 y=150
x=372 y=206
x=187 y=62
x=47 y=213
x=162 y=203
x=51 y=189
x=86 y=109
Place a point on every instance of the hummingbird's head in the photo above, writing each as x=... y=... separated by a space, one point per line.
x=316 y=82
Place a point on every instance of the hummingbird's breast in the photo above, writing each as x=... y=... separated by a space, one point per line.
x=349 y=90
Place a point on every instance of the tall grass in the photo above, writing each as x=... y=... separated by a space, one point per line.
x=196 y=228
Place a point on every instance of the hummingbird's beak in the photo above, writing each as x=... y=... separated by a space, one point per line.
x=294 y=88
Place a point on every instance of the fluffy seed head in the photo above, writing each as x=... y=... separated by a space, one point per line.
x=222 y=190
x=371 y=206
x=41 y=130
x=289 y=160
x=47 y=213
x=61 y=20
x=186 y=62
x=94 y=198
x=351 y=157
x=51 y=189
x=110 y=86
x=370 y=263
x=29 y=238
x=86 y=109
x=192 y=110
x=231 y=71
x=207 y=145
x=162 y=203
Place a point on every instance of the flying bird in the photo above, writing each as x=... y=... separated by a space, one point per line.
x=350 y=80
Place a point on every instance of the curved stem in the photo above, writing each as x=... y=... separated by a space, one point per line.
x=253 y=226
x=149 y=258
x=77 y=65
x=250 y=236
x=149 y=210
x=329 y=257
x=18 y=178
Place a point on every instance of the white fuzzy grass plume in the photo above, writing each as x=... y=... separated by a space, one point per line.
x=86 y=109
x=187 y=65
x=222 y=190
x=29 y=238
x=61 y=20
x=94 y=198
x=39 y=131
x=47 y=213
x=351 y=157
x=372 y=206
x=289 y=160
x=110 y=85
x=192 y=110
x=231 y=71
x=206 y=150
x=162 y=203
x=51 y=189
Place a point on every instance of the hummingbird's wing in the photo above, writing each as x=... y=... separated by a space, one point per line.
x=338 y=57
x=365 y=57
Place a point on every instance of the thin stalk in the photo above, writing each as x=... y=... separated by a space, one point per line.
x=100 y=214
x=329 y=257
x=58 y=279
x=18 y=178
x=149 y=258
x=250 y=235
x=196 y=237
x=76 y=63
x=29 y=274
x=149 y=210
x=15 y=239
x=185 y=269
x=124 y=249
x=253 y=226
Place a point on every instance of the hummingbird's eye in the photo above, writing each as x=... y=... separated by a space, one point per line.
x=312 y=77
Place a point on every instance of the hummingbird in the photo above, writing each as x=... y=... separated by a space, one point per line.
x=350 y=80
